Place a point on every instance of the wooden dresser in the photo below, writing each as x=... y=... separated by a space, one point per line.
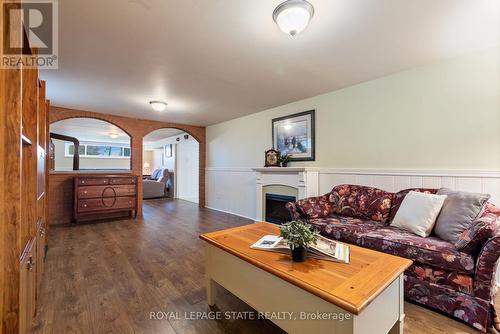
x=97 y=196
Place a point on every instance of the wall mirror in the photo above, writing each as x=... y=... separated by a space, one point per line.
x=99 y=146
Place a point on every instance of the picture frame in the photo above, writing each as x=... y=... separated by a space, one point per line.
x=295 y=135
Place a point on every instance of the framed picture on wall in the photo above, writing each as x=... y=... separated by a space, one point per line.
x=168 y=150
x=294 y=135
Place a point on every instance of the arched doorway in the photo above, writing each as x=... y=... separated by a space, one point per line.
x=171 y=165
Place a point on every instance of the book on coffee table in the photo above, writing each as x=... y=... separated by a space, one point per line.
x=324 y=249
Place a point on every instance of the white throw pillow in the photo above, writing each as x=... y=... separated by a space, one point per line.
x=418 y=213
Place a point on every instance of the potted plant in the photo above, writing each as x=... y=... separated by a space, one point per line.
x=285 y=159
x=299 y=236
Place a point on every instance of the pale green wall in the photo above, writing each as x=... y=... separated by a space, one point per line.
x=442 y=116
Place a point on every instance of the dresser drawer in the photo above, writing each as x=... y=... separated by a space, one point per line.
x=105 y=191
x=122 y=180
x=92 y=181
x=108 y=203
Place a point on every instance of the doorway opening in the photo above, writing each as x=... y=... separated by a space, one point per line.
x=171 y=165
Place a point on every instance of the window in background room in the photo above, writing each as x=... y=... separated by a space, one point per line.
x=102 y=145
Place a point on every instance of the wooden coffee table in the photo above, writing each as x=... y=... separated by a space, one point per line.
x=364 y=296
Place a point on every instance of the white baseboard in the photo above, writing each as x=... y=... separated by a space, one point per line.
x=231 y=213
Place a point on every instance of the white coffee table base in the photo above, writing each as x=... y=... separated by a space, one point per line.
x=268 y=293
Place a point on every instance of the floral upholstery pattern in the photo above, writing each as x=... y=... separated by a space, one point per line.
x=343 y=228
x=398 y=198
x=487 y=262
x=443 y=278
x=457 y=279
x=473 y=311
x=484 y=228
x=314 y=207
x=292 y=208
x=361 y=202
x=430 y=251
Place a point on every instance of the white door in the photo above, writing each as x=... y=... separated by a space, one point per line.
x=187 y=170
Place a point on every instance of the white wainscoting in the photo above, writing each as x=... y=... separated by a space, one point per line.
x=232 y=190
x=396 y=180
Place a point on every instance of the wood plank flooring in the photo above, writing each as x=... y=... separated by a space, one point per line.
x=108 y=277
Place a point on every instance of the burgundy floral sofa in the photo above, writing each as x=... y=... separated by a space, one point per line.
x=456 y=279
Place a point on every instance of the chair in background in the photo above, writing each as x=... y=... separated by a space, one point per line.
x=156 y=185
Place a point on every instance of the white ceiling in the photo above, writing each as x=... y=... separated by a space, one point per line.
x=161 y=134
x=89 y=129
x=214 y=60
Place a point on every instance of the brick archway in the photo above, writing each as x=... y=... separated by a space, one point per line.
x=137 y=129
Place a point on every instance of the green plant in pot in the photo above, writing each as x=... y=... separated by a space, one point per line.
x=299 y=236
x=285 y=159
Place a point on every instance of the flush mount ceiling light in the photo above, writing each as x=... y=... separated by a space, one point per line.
x=158 y=105
x=113 y=135
x=293 y=16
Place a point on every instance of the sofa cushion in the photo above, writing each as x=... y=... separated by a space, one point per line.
x=418 y=213
x=344 y=228
x=398 y=198
x=460 y=210
x=361 y=202
x=430 y=251
x=315 y=207
x=486 y=226
x=441 y=277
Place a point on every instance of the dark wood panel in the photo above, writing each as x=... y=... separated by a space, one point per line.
x=106 y=204
x=92 y=181
x=122 y=180
x=106 y=191
x=91 y=196
x=27 y=297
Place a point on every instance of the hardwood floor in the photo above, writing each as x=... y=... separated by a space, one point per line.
x=108 y=277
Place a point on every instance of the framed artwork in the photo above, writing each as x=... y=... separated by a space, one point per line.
x=168 y=150
x=294 y=135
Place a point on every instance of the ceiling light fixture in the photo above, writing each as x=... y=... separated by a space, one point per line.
x=113 y=135
x=293 y=16
x=158 y=105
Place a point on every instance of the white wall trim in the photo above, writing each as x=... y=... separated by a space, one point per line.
x=414 y=172
x=231 y=213
x=230 y=169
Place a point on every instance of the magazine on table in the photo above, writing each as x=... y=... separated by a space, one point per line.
x=324 y=249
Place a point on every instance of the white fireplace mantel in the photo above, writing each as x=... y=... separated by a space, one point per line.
x=304 y=179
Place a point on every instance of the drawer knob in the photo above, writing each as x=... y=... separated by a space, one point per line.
x=30 y=264
x=83 y=181
x=85 y=205
x=85 y=192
